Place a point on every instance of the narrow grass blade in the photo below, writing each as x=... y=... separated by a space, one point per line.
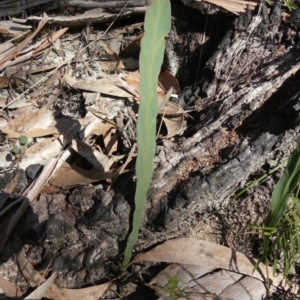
x=287 y=183
x=157 y=26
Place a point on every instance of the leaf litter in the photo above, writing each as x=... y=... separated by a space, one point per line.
x=66 y=92
x=197 y=266
x=69 y=95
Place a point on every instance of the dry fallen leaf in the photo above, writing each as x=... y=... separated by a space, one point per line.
x=5 y=81
x=42 y=152
x=17 y=104
x=97 y=86
x=27 y=119
x=49 y=41
x=41 y=290
x=6 y=56
x=173 y=116
x=12 y=134
x=5 y=47
x=12 y=29
x=167 y=81
x=203 y=283
x=9 y=289
x=211 y=255
x=69 y=175
x=102 y=128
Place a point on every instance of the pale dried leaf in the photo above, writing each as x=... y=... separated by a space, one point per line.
x=9 y=28
x=132 y=89
x=101 y=128
x=185 y=273
x=24 y=121
x=12 y=134
x=42 y=45
x=9 y=289
x=91 y=98
x=235 y=6
x=17 y=104
x=89 y=293
x=247 y=288
x=41 y=152
x=97 y=86
x=16 y=61
x=5 y=47
x=16 y=50
x=173 y=116
x=5 y=81
x=200 y=283
x=42 y=289
x=207 y=254
x=111 y=142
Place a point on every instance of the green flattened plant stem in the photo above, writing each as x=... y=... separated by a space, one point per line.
x=157 y=26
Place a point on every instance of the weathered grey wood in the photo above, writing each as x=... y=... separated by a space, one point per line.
x=239 y=83
x=12 y=8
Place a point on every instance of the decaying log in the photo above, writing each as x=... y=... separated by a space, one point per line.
x=243 y=123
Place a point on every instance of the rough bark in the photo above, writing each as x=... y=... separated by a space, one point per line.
x=242 y=123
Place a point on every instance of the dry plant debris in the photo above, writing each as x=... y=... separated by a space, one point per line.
x=74 y=99
x=236 y=7
x=205 y=267
x=47 y=288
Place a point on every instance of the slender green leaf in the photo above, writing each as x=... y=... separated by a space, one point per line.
x=285 y=254
x=157 y=26
x=284 y=187
x=297 y=236
x=292 y=247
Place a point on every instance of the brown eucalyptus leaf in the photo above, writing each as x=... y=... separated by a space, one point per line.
x=174 y=125
x=70 y=175
x=208 y=254
x=96 y=86
x=167 y=81
x=235 y=6
x=10 y=289
x=207 y=283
